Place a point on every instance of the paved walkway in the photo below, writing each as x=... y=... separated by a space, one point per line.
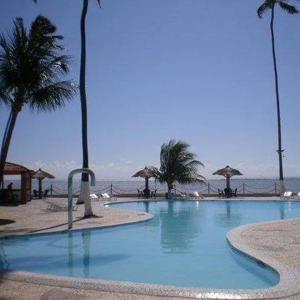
x=279 y=240
x=43 y=216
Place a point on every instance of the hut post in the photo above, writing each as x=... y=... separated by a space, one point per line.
x=244 y=190
x=275 y=188
x=51 y=189
x=111 y=189
x=208 y=188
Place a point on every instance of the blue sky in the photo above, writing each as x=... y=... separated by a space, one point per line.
x=195 y=70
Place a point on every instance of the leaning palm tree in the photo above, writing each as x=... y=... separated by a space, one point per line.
x=32 y=67
x=178 y=164
x=270 y=5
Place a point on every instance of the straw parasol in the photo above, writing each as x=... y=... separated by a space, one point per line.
x=147 y=172
x=228 y=172
x=41 y=175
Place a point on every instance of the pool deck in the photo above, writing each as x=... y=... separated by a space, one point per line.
x=275 y=243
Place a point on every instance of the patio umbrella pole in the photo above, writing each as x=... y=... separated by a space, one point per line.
x=40 y=188
x=228 y=182
x=147 y=186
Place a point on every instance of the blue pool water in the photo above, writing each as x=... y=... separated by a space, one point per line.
x=183 y=245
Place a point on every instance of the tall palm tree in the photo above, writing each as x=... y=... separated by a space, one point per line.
x=32 y=67
x=84 y=196
x=178 y=164
x=290 y=9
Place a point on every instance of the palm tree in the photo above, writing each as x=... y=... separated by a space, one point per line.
x=84 y=196
x=270 y=5
x=32 y=67
x=177 y=164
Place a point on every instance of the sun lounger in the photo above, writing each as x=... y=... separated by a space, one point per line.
x=288 y=195
x=105 y=196
x=94 y=197
x=196 y=195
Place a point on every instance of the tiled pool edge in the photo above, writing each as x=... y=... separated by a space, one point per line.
x=288 y=287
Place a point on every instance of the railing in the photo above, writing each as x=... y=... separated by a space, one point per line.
x=208 y=188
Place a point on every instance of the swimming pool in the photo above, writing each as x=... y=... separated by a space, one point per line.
x=183 y=245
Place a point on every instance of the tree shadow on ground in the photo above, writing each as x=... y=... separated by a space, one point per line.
x=6 y=221
x=78 y=219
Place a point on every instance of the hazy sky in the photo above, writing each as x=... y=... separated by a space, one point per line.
x=195 y=70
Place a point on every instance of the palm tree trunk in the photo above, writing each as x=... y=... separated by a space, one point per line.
x=6 y=129
x=6 y=141
x=277 y=104
x=84 y=191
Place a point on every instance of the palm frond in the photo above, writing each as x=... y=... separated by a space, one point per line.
x=53 y=96
x=5 y=97
x=288 y=8
x=32 y=66
x=268 y=4
x=178 y=163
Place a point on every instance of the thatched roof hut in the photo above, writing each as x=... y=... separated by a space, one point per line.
x=227 y=172
x=147 y=172
x=15 y=169
x=41 y=175
x=24 y=194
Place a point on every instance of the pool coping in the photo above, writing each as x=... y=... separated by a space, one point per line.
x=287 y=288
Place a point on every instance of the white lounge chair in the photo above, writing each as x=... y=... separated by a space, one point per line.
x=94 y=197
x=288 y=195
x=105 y=196
x=298 y=195
x=196 y=195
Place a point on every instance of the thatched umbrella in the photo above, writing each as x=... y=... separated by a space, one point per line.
x=41 y=175
x=227 y=172
x=147 y=172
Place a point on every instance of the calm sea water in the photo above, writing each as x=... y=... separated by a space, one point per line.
x=184 y=245
x=131 y=186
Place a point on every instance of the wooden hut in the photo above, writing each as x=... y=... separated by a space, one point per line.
x=14 y=196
